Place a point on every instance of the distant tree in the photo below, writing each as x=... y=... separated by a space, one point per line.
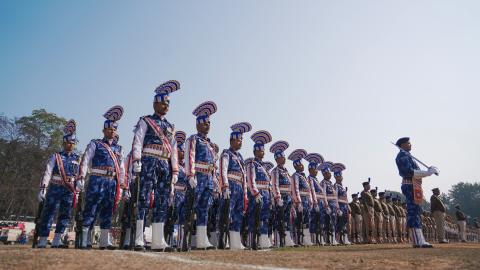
x=467 y=195
x=25 y=145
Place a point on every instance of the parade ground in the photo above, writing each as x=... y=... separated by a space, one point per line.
x=451 y=256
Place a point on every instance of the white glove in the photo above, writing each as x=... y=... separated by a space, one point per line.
x=339 y=213
x=193 y=182
x=226 y=194
x=279 y=202
x=174 y=179
x=258 y=198
x=126 y=195
x=433 y=170
x=421 y=174
x=41 y=195
x=300 y=207
x=79 y=184
x=137 y=166
x=317 y=209
x=329 y=211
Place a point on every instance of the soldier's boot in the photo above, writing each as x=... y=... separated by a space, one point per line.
x=42 y=242
x=346 y=239
x=235 y=243
x=214 y=238
x=106 y=240
x=57 y=240
x=334 y=239
x=288 y=239
x=126 y=241
x=158 y=238
x=307 y=239
x=139 y=240
x=202 y=239
x=322 y=240
x=264 y=242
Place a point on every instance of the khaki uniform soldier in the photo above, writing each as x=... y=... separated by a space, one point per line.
x=356 y=212
x=438 y=211
x=398 y=219
x=377 y=206
x=369 y=213
x=385 y=224
x=392 y=221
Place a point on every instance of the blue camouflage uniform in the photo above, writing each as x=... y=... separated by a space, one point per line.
x=258 y=182
x=406 y=165
x=343 y=206
x=330 y=220
x=320 y=200
x=305 y=196
x=59 y=196
x=283 y=188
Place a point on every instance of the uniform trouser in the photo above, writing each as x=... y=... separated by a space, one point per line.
x=236 y=206
x=264 y=213
x=330 y=219
x=213 y=214
x=368 y=218
x=99 y=198
x=414 y=211
x=357 y=224
x=343 y=220
x=462 y=225
x=156 y=175
x=203 y=197
x=61 y=198
x=378 y=225
x=399 y=226
x=179 y=209
x=393 y=226
x=317 y=219
x=385 y=226
x=287 y=211
x=440 y=221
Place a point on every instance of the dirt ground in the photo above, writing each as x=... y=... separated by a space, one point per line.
x=451 y=256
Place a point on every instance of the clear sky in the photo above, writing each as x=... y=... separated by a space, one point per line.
x=341 y=78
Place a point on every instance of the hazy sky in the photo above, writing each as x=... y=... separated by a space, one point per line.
x=341 y=78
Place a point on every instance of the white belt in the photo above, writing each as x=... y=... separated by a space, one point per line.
x=263 y=186
x=57 y=178
x=304 y=193
x=180 y=188
x=204 y=166
x=103 y=172
x=155 y=152
x=320 y=197
x=234 y=177
x=342 y=201
x=285 y=189
x=331 y=197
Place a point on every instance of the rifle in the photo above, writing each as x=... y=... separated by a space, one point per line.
x=124 y=219
x=224 y=222
x=299 y=227
x=281 y=224
x=189 y=220
x=79 y=220
x=38 y=219
x=170 y=224
x=256 y=224
x=416 y=159
x=133 y=207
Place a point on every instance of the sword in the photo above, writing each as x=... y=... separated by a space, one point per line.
x=416 y=159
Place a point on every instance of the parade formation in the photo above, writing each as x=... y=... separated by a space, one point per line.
x=199 y=197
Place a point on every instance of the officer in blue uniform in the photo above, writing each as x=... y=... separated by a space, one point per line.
x=155 y=157
x=59 y=177
x=259 y=185
x=106 y=179
x=412 y=189
x=302 y=195
x=315 y=159
x=342 y=219
x=199 y=168
x=232 y=181
x=282 y=190
x=332 y=210
x=181 y=187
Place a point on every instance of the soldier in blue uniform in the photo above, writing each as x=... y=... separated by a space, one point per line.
x=59 y=177
x=282 y=191
x=199 y=168
x=319 y=201
x=232 y=181
x=341 y=191
x=155 y=158
x=104 y=157
x=302 y=196
x=181 y=187
x=259 y=184
x=412 y=189
x=332 y=210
